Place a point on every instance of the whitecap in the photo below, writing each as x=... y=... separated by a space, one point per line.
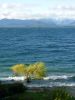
x=55 y=77
x=21 y=78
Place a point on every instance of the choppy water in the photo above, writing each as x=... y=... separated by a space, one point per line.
x=54 y=46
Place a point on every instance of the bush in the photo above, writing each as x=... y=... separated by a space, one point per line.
x=11 y=89
x=60 y=94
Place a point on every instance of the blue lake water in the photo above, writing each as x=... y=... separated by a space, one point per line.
x=54 y=46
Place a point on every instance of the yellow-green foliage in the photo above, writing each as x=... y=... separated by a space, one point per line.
x=19 y=69
x=36 y=70
x=39 y=70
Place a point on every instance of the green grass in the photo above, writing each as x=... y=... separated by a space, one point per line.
x=30 y=96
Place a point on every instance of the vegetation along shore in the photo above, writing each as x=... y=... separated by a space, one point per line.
x=18 y=90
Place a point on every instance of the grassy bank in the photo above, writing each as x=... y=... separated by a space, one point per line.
x=17 y=91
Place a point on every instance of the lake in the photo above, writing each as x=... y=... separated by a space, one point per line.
x=53 y=46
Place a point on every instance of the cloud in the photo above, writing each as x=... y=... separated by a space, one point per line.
x=63 y=12
x=25 y=11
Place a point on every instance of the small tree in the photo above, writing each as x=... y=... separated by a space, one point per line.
x=36 y=70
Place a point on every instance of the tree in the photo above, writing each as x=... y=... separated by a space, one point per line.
x=36 y=70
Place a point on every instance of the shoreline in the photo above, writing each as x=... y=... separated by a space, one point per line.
x=33 y=86
x=38 y=83
x=19 y=90
x=69 y=89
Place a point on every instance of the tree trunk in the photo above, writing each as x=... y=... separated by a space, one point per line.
x=28 y=80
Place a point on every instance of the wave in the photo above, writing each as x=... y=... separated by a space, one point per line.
x=66 y=84
x=43 y=83
x=51 y=77
x=52 y=84
x=21 y=78
x=56 y=77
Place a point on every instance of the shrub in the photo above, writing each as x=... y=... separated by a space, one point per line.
x=60 y=94
x=36 y=70
x=11 y=89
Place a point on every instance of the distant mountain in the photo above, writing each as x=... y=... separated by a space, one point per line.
x=66 y=22
x=36 y=23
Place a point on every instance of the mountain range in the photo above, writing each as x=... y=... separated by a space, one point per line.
x=36 y=23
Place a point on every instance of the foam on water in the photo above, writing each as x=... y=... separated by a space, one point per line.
x=51 y=77
x=44 y=82
x=52 y=84
x=55 y=77
x=22 y=78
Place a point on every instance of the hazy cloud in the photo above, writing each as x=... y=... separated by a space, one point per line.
x=24 y=11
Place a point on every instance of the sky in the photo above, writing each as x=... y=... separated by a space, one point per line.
x=37 y=9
